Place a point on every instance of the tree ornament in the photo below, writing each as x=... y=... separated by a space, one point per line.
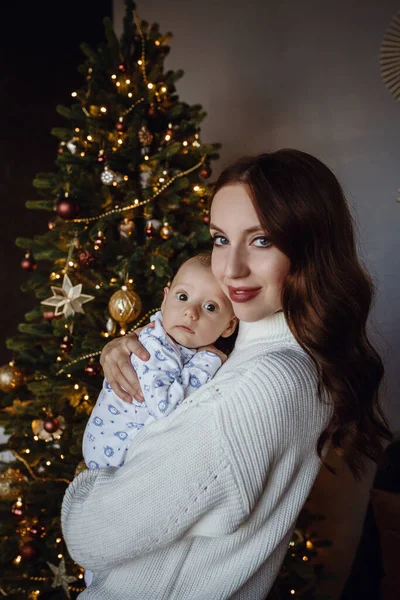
x=205 y=172
x=100 y=241
x=152 y=112
x=122 y=68
x=51 y=424
x=60 y=151
x=67 y=208
x=152 y=227
x=124 y=306
x=9 y=480
x=206 y=218
x=109 y=177
x=166 y=231
x=66 y=344
x=39 y=430
x=17 y=509
x=48 y=316
x=120 y=126
x=68 y=300
x=95 y=111
x=145 y=137
x=29 y=551
x=28 y=262
x=93 y=367
x=126 y=228
x=37 y=531
x=85 y=258
x=61 y=579
x=111 y=326
x=11 y=377
x=71 y=145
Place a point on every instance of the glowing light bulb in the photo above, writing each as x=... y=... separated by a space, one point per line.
x=74 y=94
x=150 y=86
x=113 y=76
x=103 y=109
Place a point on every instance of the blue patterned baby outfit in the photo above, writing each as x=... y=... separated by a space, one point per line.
x=171 y=375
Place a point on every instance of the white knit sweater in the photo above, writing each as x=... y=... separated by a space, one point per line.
x=207 y=500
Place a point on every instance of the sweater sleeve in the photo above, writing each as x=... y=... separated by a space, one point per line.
x=176 y=479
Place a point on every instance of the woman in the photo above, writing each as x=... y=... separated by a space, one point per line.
x=207 y=500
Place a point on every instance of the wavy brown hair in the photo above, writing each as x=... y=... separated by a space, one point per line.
x=327 y=295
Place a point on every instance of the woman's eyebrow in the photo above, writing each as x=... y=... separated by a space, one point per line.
x=249 y=230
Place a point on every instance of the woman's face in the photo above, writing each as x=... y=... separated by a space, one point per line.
x=250 y=270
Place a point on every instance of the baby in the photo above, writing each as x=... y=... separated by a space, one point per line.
x=194 y=314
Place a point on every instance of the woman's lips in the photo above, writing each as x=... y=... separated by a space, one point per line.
x=242 y=294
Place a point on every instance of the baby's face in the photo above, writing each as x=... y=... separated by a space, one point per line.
x=195 y=310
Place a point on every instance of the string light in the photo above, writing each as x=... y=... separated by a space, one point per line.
x=113 y=76
x=74 y=94
x=103 y=109
x=58 y=540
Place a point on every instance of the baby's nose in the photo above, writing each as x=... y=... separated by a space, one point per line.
x=192 y=312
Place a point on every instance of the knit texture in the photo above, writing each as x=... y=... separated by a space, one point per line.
x=207 y=500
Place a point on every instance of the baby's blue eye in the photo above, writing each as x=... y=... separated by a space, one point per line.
x=182 y=296
x=220 y=240
x=210 y=307
x=264 y=242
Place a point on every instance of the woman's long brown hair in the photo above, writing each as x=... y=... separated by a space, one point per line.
x=327 y=295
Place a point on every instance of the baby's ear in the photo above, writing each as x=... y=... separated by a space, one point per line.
x=231 y=327
x=166 y=290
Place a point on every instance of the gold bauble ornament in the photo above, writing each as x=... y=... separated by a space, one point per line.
x=11 y=377
x=124 y=306
x=166 y=231
x=126 y=228
x=8 y=479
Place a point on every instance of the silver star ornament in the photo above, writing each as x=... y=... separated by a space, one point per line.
x=68 y=299
x=61 y=579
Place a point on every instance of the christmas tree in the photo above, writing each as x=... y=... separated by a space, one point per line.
x=128 y=204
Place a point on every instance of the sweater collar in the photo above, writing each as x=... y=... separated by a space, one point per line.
x=273 y=328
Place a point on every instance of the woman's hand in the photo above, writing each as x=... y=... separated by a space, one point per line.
x=117 y=368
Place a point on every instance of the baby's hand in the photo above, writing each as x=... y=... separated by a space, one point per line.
x=214 y=350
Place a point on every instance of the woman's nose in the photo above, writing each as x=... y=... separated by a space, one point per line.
x=236 y=263
x=192 y=312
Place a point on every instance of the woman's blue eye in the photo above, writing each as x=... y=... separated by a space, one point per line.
x=264 y=242
x=219 y=240
x=210 y=307
x=182 y=296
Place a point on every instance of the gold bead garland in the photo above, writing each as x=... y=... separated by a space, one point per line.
x=137 y=204
x=94 y=354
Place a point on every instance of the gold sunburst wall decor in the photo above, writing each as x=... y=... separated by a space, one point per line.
x=389 y=57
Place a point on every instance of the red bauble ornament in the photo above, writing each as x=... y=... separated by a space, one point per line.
x=206 y=219
x=48 y=316
x=28 y=551
x=17 y=510
x=37 y=531
x=120 y=126
x=152 y=112
x=93 y=368
x=122 y=68
x=86 y=259
x=67 y=208
x=100 y=242
x=66 y=344
x=205 y=172
x=60 y=151
x=51 y=424
x=28 y=263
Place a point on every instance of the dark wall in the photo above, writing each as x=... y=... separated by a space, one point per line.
x=39 y=56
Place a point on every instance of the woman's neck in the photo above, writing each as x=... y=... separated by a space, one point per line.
x=273 y=328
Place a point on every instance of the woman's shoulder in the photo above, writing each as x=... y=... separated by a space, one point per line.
x=287 y=363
